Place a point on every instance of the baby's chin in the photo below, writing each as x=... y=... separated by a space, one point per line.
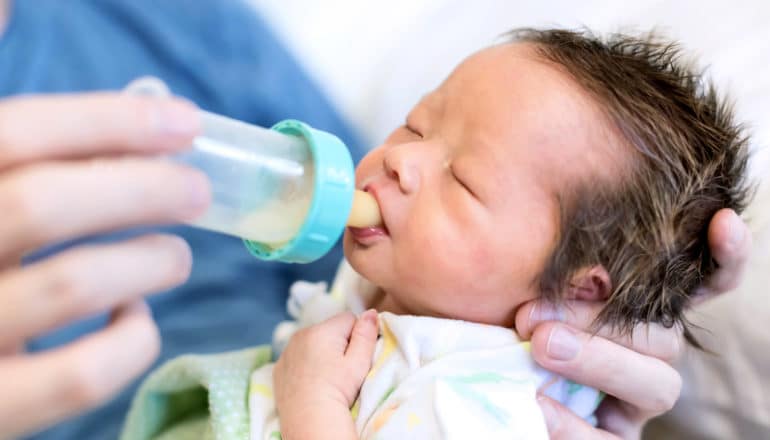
x=353 y=252
x=369 y=262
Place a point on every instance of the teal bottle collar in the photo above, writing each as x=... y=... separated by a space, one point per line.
x=333 y=186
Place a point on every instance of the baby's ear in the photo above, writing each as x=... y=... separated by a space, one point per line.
x=590 y=284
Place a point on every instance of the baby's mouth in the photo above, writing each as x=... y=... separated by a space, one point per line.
x=369 y=234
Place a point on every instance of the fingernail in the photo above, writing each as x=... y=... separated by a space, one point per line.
x=542 y=312
x=199 y=193
x=370 y=316
x=736 y=232
x=562 y=345
x=549 y=413
x=178 y=118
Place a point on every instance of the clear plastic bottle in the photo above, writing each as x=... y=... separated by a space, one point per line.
x=261 y=180
x=287 y=191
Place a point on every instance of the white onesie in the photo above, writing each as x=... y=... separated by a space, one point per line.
x=439 y=378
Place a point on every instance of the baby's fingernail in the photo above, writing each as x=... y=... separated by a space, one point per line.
x=562 y=345
x=542 y=312
x=549 y=413
x=370 y=316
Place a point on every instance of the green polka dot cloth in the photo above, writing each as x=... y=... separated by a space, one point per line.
x=201 y=397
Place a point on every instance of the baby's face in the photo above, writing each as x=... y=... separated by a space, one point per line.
x=468 y=187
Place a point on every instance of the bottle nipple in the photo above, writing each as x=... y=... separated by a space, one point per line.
x=365 y=211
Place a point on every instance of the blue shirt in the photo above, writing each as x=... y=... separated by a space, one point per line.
x=222 y=56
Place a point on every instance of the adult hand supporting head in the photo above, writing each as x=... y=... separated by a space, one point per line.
x=72 y=166
x=634 y=371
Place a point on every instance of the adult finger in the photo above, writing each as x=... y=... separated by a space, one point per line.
x=730 y=243
x=56 y=201
x=648 y=339
x=54 y=385
x=87 y=280
x=92 y=124
x=647 y=383
x=563 y=424
x=620 y=419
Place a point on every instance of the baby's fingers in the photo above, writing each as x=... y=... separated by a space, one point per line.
x=362 y=340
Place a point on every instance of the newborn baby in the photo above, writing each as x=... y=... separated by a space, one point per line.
x=555 y=165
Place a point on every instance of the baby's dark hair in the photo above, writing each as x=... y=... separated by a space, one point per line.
x=649 y=227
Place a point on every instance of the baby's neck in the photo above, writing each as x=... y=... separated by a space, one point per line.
x=382 y=302
x=385 y=303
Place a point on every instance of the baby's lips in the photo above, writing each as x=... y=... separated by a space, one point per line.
x=365 y=211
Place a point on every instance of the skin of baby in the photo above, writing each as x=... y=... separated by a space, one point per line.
x=469 y=189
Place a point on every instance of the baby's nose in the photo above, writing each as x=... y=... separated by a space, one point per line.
x=401 y=164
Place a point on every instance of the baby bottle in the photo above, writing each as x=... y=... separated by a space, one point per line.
x=288 y=191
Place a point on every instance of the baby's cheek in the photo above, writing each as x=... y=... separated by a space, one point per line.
x=480 y=256
x=451 y=265
x=422 y=254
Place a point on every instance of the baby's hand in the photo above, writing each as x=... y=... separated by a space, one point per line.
x=324 y=365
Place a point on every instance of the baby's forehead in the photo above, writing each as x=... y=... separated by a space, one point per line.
x=507 y=108
x=508 y=92
x=508 y=81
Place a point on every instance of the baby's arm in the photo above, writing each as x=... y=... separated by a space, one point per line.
x=319 y=375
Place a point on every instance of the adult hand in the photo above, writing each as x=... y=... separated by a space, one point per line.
x=72 y=166
x=634 y=371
